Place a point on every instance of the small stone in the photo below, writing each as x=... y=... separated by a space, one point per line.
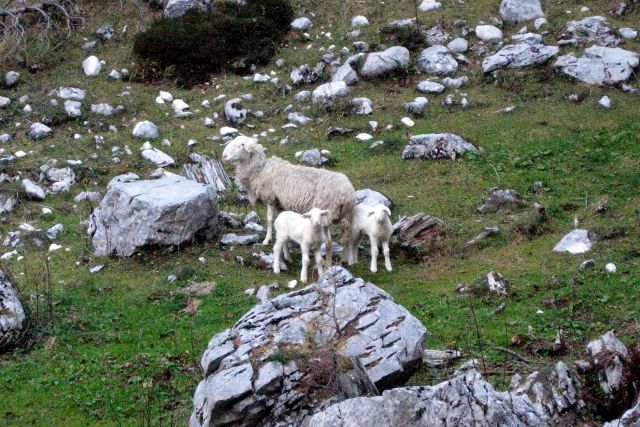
x=610 y=267
x=488 y=33
x=359 y=21
x=146 y=129
x=407 y=122
x=605 y=102
x=11 y=78
x=91 y=66
x=301 y=24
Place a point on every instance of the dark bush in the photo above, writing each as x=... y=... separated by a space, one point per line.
x=229 y=37
x=409 y=36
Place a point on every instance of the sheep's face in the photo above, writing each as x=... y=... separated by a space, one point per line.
x=239 y=149
x=316 y=216
x=380 y=213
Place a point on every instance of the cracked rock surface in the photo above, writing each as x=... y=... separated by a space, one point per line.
x=246 y=381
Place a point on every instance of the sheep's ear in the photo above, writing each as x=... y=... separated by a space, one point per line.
x=324 y=213
x=306 y=215
x=371 y=213
x=387 y=210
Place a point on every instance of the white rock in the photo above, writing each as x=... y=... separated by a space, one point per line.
x=605 y=102
x=226 y=131
x=408 y=122
x=600 y=65
x=115 y=75
x=166 y=96
x=382 y=63
x=610 y=267
x=518 y=56
x=628 y=33
x=327 y=93
x=33 y=191
x=11 y=78
x=156 y=156
x=429 y=5
x=4 y=101
x=513 y=11
x=458 y=45
x=146 y=129
x=539 y=23
x=301 y=24
x=437 y=60
x=488 y=33
x=359 y=21
x=363 y=137
x=576 y=242
x=38 y=131
x=71 y=93
x=428 y=86
x=72 y=108
x=91 y=66
x=54 y=247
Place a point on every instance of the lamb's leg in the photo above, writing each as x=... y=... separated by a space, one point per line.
x=319 y=262
x=374 y=254
x=305 y=263
x=277 y=248
x=345 y=225
x=329 y=244
x=387 y=257
x=270 y=213
x=287 y=252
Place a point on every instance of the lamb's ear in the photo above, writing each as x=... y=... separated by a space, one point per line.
x=306 y=215
x=371 y=213
x=387 y=210
x=324 y=213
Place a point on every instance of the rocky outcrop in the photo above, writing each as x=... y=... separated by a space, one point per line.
x=272 y=366
x=166 y=212
x=514 y=11
x=13 y=318
x=465 y=400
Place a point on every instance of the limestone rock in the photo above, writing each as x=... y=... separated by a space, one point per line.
x=514 y=11
x=594 y=29
x=328 y=93
x=379 y=64
x=437 y=60
x=13 y=318
x=166 y=212
x=488 y=33
x=576 y=242
x=519 y=55
x=245 y=384
x=91 y=66
x=39 y=131
x=177 y=8
x=11 y=78
x=301 y=24
x=371 y=198
x=600 y=65
x=497 y=198
x=33 y=191
x=437 y=146
x=146 y=129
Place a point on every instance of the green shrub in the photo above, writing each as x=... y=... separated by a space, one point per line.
x=231 y=36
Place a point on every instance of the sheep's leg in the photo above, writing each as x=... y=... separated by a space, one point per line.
x=319 y=262
x=346 y=240
x=277 y=248
x=353 y=253
x=387 y=257
x=305 y=263
x=270 y=213
x=329 y=245
x=374 y=254
x=287 y=252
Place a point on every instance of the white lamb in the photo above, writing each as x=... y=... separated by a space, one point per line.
x=308 y=230
x=374 y=222
x=284 y=186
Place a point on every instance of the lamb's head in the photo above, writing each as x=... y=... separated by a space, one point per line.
x=241 y=148
x=380 y=213
x=316 y=216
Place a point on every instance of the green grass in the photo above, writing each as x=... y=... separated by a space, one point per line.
x=123 y=353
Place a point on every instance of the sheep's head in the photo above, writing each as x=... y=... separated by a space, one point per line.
x=317 y=216
x=380 y=213
x=241 y=148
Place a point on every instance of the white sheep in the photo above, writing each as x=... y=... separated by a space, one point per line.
x=374 y=222
x=309 y=230
x=284 y=186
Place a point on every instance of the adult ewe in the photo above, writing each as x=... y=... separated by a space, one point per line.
x=283 y=186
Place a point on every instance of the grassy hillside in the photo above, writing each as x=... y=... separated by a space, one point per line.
x=119 y=350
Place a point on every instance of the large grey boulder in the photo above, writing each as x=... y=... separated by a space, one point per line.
x=600 y=65
x=177 y=8
x=514 y=11
x=234 y=112
x=379 y=64
x=345 y=73
x=544 y=399
x=519 y=55
x=594 y=29
x=437 y=146
x=166 y=212
x=437 y=60
x=248 y=382
x=13 y=318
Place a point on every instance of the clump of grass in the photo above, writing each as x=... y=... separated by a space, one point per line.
x=196 y=44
